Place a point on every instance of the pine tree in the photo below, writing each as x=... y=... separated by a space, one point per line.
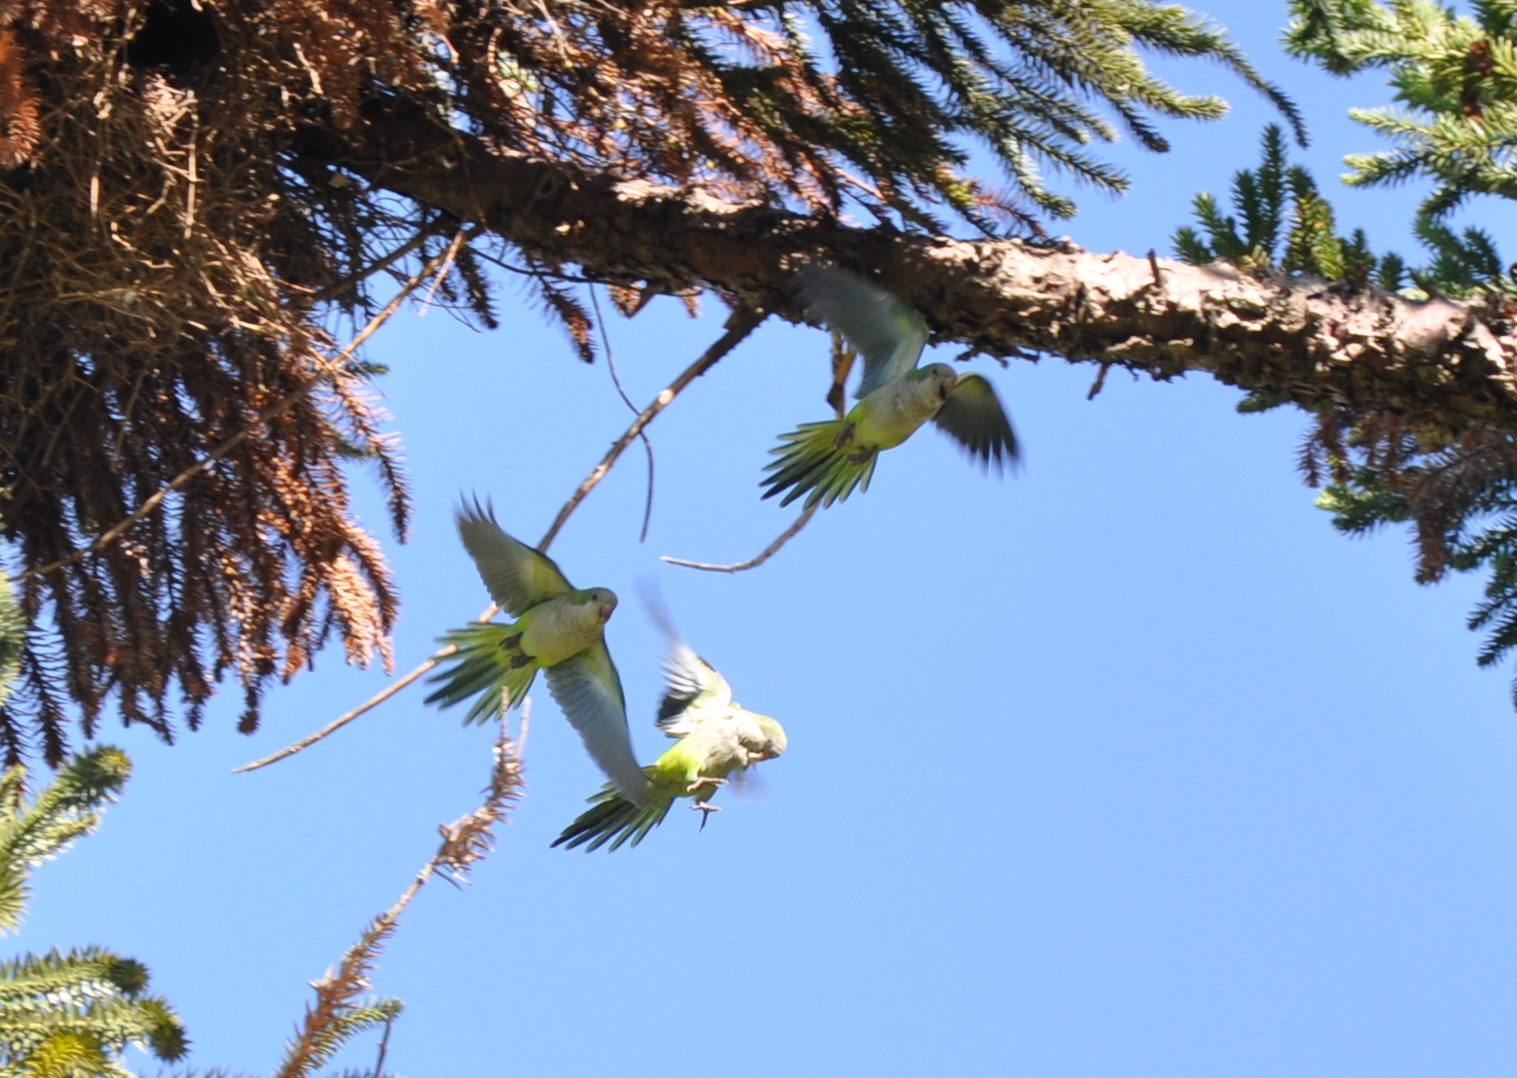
x=1455 y=78
x=1453 y=75
x=69 y=1015
x=194 y=196
x=172 y=215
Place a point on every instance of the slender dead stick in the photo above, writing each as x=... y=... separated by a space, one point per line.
x=742 y=322
x=274 y=411
x=763 y=555
x=464 y=842
x=605 y=340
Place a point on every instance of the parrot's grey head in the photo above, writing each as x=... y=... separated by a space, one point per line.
x=774 y=741
x=603 y=599
x=942 y=378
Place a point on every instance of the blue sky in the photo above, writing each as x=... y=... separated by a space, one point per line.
x=1126 y=765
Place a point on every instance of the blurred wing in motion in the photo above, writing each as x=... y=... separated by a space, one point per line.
x=889 y=334
x=973 y=417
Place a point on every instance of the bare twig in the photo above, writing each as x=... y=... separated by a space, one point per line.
x=377 y=266
x=843 y=356
x=372 y=702
x=741 y=323
x=274 y=411
x=442 y=272
x=605 y=340
x=384 y=1047
x=1099 y=383
x=763 y=555
x=464 y=842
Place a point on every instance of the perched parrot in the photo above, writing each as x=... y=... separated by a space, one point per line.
x=558 y=629
x=717 y=737
x=826 y=461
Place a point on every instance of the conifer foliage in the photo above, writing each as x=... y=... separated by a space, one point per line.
x=69 y=1015
x=1456 y=80
x=1283 y=223
x=179 y=250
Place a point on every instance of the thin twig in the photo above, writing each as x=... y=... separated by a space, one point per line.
x=542 y=275
x=380 y=264
x=464 y=842
x=372 y=702
x=616 y=380
x=384 y=1047
x=1096 y=386
x=763 y=555
x=274 y=411
x=742 y=322
x=442 y=272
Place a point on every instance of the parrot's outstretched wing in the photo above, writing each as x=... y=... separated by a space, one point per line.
x=588 y=689
x=517 y=577
x=694 y=688
x=973 y=417
x=887 y=333
x=695 y=691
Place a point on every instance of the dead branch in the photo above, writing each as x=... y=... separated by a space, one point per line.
x=274 y=411
x=763 y=555
x=743 y=321
x=616 y=380
x=465 y=842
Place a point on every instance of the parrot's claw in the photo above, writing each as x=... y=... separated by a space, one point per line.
x=706 y=780
x=705 y=810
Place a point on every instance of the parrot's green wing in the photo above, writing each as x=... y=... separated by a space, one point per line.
x=973 y=417
x=517 y=577
x=588 y=689
x=887 y=333
x=695 y=689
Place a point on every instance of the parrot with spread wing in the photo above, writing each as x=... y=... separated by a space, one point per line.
x=717 y=738
x=826 y=461
x=559 y=629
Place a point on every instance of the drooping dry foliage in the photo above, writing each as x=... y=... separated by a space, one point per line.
x=176 y=260
x=160 y=267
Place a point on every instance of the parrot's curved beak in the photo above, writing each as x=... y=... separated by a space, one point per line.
x=945 y=389
x=606 y=610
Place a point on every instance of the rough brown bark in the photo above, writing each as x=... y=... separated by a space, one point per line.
x=1441 y=362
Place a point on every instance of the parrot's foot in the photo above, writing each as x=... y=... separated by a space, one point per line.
x=844 y=436
x=706 y=780
x=510 y=643
x=519 y=660
x=705 y=810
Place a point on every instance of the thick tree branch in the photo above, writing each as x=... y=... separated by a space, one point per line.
x=1442 y=361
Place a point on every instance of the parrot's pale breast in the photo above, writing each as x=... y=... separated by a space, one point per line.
x=560 y=628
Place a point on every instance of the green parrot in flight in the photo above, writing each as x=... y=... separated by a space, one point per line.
x=559 y=629
x=717 y=737
x=826 y=461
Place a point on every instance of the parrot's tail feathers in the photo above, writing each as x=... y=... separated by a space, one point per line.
x=478 y=670
x=817 y=459
x=612 y=818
